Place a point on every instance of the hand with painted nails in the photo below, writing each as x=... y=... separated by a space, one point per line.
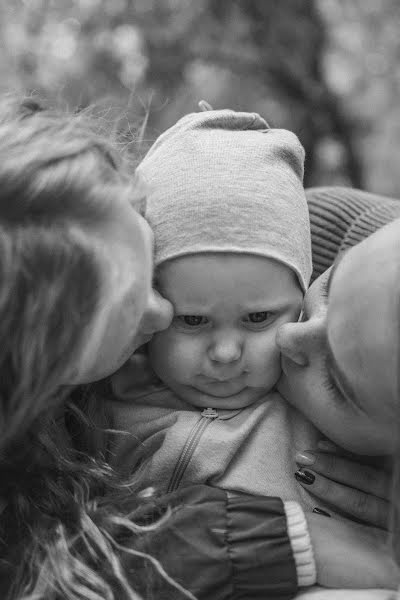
x=348 y=483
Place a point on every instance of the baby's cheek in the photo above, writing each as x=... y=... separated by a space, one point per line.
x=181 y=356
x=265 y=355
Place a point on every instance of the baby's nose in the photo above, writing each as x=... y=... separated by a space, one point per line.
x=226 y=349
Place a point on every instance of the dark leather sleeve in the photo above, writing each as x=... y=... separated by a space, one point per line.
x=221 y=546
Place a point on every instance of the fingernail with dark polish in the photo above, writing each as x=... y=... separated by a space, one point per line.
x=304 y=477
x=319 y=511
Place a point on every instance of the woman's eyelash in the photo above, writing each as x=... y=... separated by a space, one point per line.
x=329 y=382
x=330 y=385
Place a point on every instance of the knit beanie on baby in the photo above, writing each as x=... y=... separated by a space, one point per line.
x=223 y=181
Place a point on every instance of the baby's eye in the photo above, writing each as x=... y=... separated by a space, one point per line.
x=192 y=320
x=259 y=320
x=258 y=317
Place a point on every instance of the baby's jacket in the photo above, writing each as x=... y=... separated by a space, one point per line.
x=247 y=450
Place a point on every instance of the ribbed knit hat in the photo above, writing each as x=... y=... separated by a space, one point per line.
x=223 y=181
x=341 y=217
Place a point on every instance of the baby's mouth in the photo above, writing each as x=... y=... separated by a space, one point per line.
x=222 y=388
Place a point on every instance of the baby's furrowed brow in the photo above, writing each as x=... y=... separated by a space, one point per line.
x=188 y=310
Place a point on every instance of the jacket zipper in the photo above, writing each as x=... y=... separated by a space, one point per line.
x=207 y=416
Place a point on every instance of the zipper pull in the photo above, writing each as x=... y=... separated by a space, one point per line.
x=209 y=413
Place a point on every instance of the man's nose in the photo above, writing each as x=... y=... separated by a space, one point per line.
x=291 y=339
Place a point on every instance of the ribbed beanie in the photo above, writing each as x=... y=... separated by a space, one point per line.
x=341 y=217
x=223 y=181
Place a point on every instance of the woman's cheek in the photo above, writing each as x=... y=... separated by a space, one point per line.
x=177 y=350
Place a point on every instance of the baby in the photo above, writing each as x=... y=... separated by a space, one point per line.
x=225 y=200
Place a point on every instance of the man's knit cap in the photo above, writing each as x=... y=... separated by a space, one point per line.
x=223 y=181
x=341 y=217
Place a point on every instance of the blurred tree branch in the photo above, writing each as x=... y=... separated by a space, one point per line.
x=290 y=42
x=272 y=52
x=278 y=44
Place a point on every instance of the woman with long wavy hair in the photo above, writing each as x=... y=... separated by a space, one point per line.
x=75 y=301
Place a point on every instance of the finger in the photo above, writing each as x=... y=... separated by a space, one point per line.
x=326 y=446
x=366 y=478
x=354 y=503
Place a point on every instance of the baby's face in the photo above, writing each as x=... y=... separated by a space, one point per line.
x=220 y=349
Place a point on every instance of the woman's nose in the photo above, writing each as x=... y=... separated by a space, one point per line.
x=291 y=339
x=158 y=314
x=225 y=348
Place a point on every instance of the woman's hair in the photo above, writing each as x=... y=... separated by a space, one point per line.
x=58 y=178
x=62 y=507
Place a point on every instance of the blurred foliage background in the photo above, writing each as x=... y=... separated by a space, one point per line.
x=327 y=69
